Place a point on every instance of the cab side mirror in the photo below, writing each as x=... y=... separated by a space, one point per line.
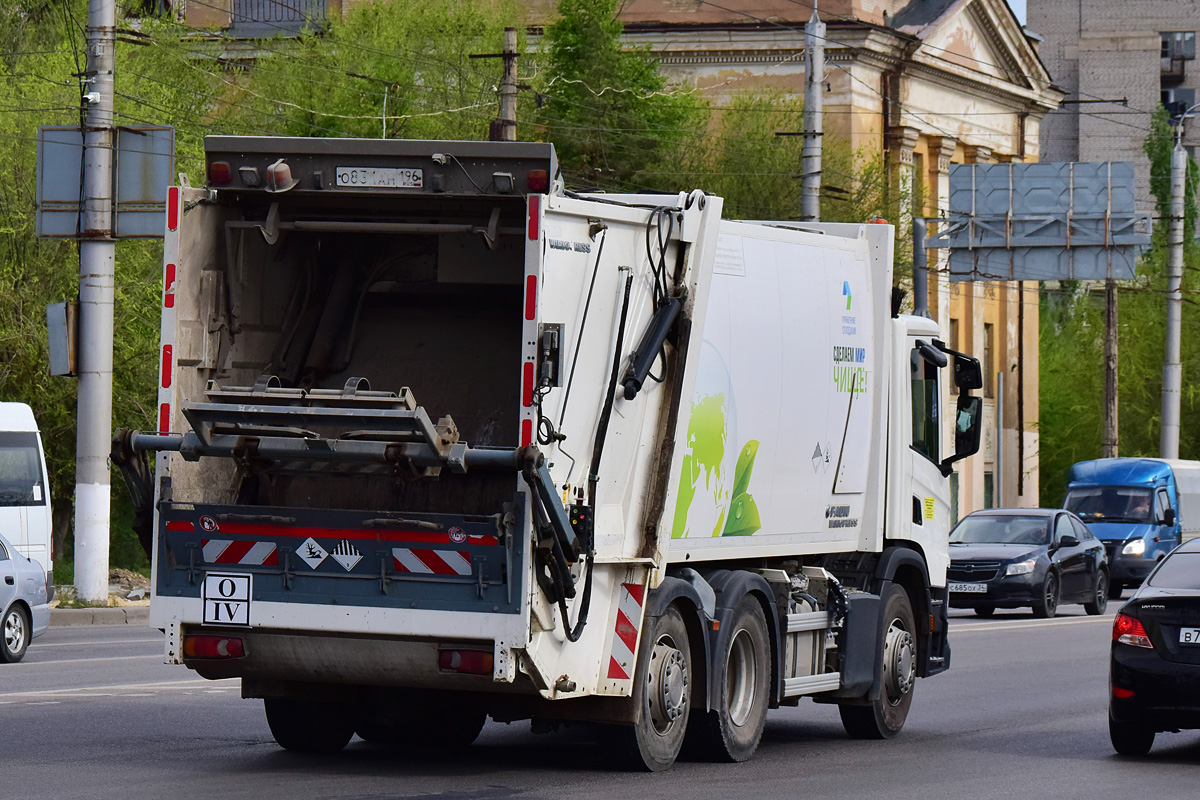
x=1169 y=517
x=968 y=375
x=967 y=430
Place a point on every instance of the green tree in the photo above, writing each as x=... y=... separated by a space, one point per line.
x=607 y=108
x=389 y=69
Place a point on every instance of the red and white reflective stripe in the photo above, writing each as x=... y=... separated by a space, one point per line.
x=529 y=330
x=248 y=553
x=432 y=562
x=166 y=389
x=625 y=632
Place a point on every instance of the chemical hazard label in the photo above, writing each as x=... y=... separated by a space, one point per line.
x=346 y=554
x=227 y=599
x=311 y=552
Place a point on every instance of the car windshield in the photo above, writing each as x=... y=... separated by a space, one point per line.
x=1180 y=571
x=1111 y=504
x=20 y=470
x=1002 y=529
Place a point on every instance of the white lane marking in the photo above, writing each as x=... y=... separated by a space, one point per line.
x=1009 y=626
x=95 y=642
x=118 y=688
x=90 y=660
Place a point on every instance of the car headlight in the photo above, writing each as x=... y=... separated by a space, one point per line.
x=1135 y=548
x=1021 y=567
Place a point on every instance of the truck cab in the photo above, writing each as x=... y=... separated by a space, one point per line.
x=24 y=489
x=1132 y=505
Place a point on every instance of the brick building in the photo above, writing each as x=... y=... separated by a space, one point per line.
x=1117 y=60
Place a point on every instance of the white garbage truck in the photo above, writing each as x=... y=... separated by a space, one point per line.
x=441 y=440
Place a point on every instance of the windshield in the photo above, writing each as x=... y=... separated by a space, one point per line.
x=1111 y=504
x=1002 y=529
x=1180 y=571
x=20 y=470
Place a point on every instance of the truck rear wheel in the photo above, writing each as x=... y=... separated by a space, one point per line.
x=883 y=717
x=307 y=727
x=662 y=688
x=732 y=731
x=425 y=721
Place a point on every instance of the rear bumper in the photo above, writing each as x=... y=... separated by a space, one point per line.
x=1166 y=694
x=288 y=656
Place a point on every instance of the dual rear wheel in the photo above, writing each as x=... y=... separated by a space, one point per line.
x=665 y=691
x=305 y=726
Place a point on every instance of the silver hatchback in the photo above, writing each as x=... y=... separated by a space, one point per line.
x=24 y=597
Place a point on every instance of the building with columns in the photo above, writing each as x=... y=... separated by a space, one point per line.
x=927 y=83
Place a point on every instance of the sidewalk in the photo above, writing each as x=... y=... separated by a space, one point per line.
x=123 y=615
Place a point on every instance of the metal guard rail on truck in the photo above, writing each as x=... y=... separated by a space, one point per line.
x=299 y=430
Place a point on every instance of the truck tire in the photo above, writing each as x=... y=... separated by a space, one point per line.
x=306 y=727
x=883 y=717
x=435 y=721
x=732 y=731
x=662 y=689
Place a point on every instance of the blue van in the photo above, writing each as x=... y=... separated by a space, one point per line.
x=1133 y=505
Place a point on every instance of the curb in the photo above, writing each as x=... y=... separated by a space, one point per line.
x=75 y=617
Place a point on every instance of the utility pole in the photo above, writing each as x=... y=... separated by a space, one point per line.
x=1111 y=443
x=1169 y=444
x=814 y=100
x=504 y=127
x=97 y=255
x=508 y=88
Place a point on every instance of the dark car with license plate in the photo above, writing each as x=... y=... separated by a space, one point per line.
x=1037 y=558
x=1154 y=668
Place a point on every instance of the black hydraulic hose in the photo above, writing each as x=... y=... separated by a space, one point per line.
x=610 y=397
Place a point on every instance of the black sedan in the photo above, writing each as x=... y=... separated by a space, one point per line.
x=1154 y=674
x=1026 y=557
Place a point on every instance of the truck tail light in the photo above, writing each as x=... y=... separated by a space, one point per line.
x=219 y=173
x=205 y=645
x=538 y=180
x=1128 y=630
x=472 y=662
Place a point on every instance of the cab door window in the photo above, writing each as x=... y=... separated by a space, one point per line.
x=1161 y=504
x=924 y=407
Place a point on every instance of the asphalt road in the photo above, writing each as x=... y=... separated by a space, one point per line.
x=93 y=713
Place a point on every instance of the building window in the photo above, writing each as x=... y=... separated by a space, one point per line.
x=989 y=373
x=1177 y=101
x=989 y=490
x=271 y=18
x=1179 y=45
